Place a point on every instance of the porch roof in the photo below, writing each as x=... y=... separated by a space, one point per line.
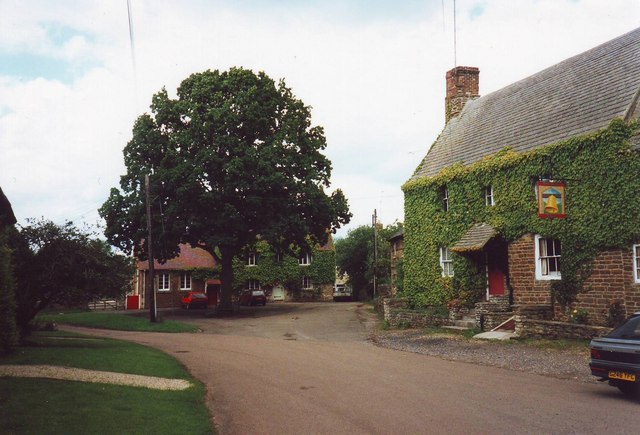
x=475 y=238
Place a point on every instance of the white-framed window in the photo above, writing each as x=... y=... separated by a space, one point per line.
x=251 y=259
x=163 y=282
x=306 y=283
x=253 y=284
x=488 y=196
x=446 y=262
x=185 y=281
x=548 y=253
x=305 y=259
x=445 y=198
x=636 y=263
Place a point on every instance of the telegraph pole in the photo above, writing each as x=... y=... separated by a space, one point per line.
x=374 y=221
x=152 y=291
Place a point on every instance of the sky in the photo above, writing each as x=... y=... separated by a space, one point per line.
x=373 y=71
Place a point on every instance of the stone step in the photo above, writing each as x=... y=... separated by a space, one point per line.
x=466 y=323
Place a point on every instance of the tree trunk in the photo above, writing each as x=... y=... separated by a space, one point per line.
x=226 y=289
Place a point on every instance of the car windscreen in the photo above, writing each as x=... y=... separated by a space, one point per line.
x=629 y=330
x=198 y=296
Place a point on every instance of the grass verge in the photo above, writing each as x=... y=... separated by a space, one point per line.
x=124 y=322
x=52 y=406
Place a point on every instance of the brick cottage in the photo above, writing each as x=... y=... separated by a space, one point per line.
x=529 y=196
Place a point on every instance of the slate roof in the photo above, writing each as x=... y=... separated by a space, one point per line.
x=475 y=238
x=578 y=95
x=397 y=235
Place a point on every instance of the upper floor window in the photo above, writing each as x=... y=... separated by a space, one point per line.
x=636 y=263
x=446 y=262
x=306 y=283
x=253 y=284
x=548 y=253
x=304 y=260
x=488 y=196
x=185 y=281
x=163 y=282
x=251 y=259
x=445 y=198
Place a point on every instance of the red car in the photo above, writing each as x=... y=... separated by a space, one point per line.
x=253 y=297
x=195 y=300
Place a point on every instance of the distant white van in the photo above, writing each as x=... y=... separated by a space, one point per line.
x=342 y=292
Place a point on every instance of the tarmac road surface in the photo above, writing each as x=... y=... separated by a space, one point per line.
x=309 y=369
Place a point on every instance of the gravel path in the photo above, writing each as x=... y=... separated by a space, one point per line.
x=83 y=375
x=570 y=363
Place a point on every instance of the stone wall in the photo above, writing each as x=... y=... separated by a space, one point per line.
x=522 y=273
x=398 y=315
x=611 y=280
x=532 y=328
x=493 y=312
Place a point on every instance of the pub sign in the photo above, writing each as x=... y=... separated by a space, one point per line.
x=551 y=199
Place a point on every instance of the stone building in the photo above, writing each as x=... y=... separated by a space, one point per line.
x=529 y=194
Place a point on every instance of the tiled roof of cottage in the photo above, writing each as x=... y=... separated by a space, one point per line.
x=578 y=95
x=189 y=258
x=475 y=238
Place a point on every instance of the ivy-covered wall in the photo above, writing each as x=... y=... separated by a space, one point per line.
x=287 y=271
x=602 y=176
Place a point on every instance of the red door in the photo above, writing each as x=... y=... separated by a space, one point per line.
x=497 y=269
x=496 y=280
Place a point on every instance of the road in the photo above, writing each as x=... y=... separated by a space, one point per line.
x=309 y=369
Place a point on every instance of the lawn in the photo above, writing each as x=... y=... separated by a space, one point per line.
x=121 y=321
x=53 y=406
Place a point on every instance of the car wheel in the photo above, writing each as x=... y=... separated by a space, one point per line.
x=629 y=389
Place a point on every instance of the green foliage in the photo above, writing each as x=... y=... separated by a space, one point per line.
x=355 y=256
x=579 y=315
x=8 y=329
x=53 y=406
x=272 y=268
x=603 y=211
x=234 y=157
x=65 y=265
x=615 y=314
x=123 y=322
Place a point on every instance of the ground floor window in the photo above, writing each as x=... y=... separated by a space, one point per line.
x=446 y=262
x=185 y=281
x=253 y=284
x=636 y=263
x=163 y=282
x=548 y=252
x=306 y=283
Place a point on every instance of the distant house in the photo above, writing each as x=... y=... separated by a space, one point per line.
x=192 y=270
x=309 y=276
x=529 y=196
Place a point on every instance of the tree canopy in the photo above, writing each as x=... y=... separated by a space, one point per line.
x=63 y=264
x=234 y=157
x=354 y=256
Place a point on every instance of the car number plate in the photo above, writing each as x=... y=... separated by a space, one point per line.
x=622 y=376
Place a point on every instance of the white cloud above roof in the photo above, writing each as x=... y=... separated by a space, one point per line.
x=373 y=72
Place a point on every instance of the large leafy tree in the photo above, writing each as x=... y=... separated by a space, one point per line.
x=355 y=257
x=65 y=265
x=234 y=157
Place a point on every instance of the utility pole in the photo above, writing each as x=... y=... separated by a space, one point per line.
x=153 y=314
x=374 y=221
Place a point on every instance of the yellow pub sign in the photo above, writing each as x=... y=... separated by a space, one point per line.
x=551 y=199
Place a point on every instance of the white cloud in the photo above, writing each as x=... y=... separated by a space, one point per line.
x=376 y=84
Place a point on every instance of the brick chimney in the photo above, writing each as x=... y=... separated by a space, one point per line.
x=463 y=84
